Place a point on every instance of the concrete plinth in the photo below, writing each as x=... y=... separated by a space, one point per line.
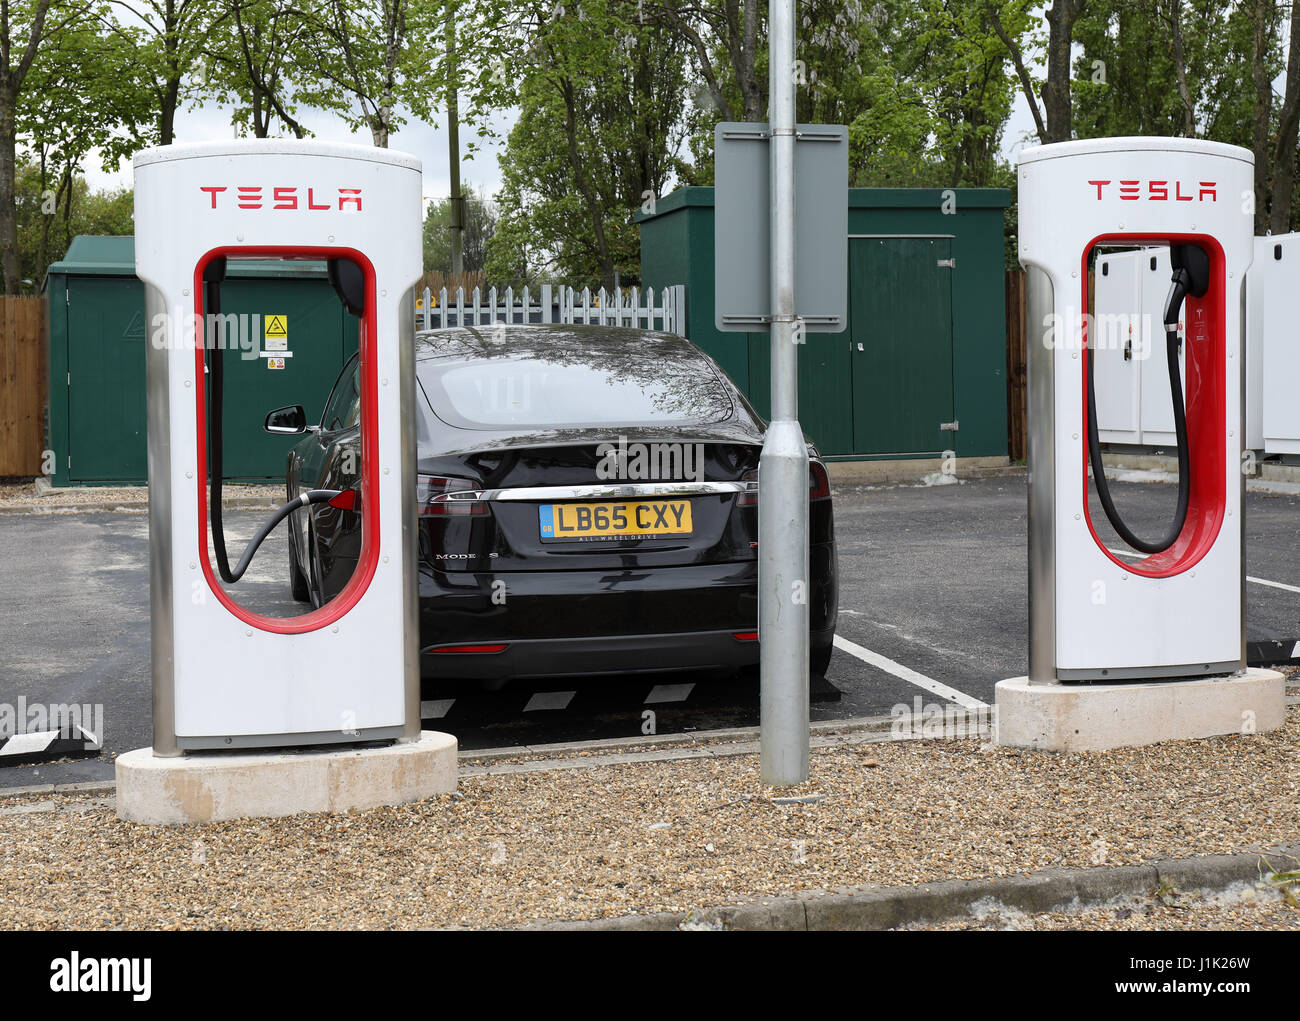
x=1094 y=717
x=214 y=786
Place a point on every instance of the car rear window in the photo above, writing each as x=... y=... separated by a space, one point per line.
x=543 y=393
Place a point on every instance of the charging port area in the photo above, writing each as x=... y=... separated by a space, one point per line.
x=331 y=497
x=1137 y=629
x=1185 y=343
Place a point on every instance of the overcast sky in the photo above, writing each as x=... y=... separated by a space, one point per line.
x=429 y=143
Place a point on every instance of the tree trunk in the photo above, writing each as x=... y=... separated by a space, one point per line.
x=584 y=186
x=8 y=171
x=1263 y=108
x=1288 y=124
x=1180 y=69
x=1022 y=72
x=1057 y=103
x=167 y=115
x=745 y=74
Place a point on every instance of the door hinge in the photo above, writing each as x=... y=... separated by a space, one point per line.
x=948 y=427
x=947 y=263
x=69 y=379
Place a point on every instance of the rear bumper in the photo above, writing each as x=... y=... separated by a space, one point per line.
x=549 y=657
x=595 y=622
x=622 y=654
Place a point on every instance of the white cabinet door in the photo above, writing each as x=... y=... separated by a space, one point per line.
x=1157 y=405
x=1271 y=288
x=1117 y=302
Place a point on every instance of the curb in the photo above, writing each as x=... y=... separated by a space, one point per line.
x=118 y=506
x=687 y=743
x=590 y=754
x=871 y=908
x=44 y=745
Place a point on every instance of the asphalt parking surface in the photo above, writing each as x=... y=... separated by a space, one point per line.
x=931 y=577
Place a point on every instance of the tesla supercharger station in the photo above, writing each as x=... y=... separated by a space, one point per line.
x=224 y=676
x=1153 y=608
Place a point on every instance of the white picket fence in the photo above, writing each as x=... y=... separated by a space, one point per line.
x=626 y=306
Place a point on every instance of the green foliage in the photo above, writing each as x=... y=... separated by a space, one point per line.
x=480 y=226
x=374 y=61
x=1134 y=89
x=48 y=220
x=600 y=97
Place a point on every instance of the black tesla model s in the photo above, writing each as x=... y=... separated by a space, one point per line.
x=588 y=501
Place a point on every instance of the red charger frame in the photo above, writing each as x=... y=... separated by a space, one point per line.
x=1206 y=373
x=368 y=558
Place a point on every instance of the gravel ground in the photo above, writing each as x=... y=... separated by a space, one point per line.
x=664 y=836
x=1255 y=907
x=21 y=496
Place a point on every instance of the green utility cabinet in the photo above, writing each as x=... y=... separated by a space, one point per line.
x=921 y=367
x=98 y=337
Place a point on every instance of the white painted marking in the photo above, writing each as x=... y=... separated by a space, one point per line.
x=1273 y=584
x=669 y=693
x=436 y=709
x=25 y=744
x=1254 y=581
x=908 y=674
x=1296 y=651
x=549 y=700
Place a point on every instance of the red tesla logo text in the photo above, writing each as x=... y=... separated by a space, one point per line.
x=257 y=197
x=1160 y=191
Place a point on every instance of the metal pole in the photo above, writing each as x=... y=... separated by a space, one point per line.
x=453 y=150
x=783 y=466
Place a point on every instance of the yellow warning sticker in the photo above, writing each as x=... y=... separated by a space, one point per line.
x=277 y=326
x=275 y=363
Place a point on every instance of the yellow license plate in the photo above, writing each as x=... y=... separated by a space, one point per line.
x=632 y=519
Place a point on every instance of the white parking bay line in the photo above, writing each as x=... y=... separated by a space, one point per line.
x=1273 y=584
x=1254 y=581
x=908 y=674
x=549 y=700
x=669 y=693
x=436 y=709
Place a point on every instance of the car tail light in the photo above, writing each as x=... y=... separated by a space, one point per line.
x=745 y=636
x=469 y=648
x=819 y=485
x=819 y=481
x=441 y=496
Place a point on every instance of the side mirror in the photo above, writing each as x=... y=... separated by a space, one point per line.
x=290 y=421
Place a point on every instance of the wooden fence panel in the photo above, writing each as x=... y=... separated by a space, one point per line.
x=1017 y=398
x=23 y=374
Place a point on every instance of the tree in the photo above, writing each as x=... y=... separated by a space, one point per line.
x=1283 y=184
x=252 y=50
x=600 y=97
x=379 y=54
x=166 y=40
x=23 y=29
x=81 y=96
x=45 y=228
x=725 y=41
x=1054 y=120
x=480 y=226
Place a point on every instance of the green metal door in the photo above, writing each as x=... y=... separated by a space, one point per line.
x=106 y=339
x=319 y=336
x=106 y=397
x=825 y=388
x=900 y=339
